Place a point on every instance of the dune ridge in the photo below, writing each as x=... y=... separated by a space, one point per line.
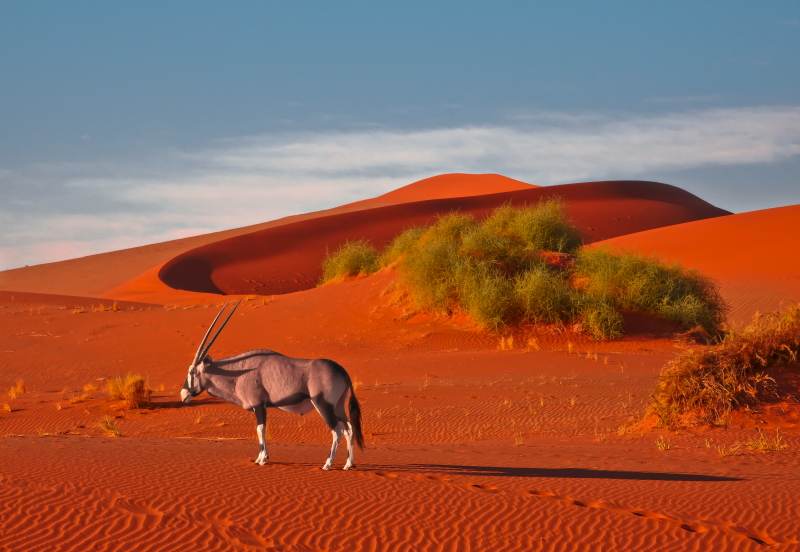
x=96 y=275
x=288 y=258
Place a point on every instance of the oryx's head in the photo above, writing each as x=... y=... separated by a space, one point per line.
x=193 y=385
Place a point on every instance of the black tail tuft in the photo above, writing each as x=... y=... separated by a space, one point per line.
x=355 y=419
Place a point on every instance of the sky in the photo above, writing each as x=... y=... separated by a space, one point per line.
x=127 y=123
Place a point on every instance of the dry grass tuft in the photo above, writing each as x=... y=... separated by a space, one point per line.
x=75 y=399
x=131 y=388
x=704 y=386
x=12 y=393
x=663 y=444
x=765 y=444
x=733 y=450
x=110 y=427
x=7 y=407
x=506 y=343
x=20 y=386
x=89 y=387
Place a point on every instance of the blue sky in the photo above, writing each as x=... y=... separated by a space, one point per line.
x=128 y=123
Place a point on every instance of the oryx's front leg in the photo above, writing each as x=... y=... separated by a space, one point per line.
x=337 y=436
x=261 y=429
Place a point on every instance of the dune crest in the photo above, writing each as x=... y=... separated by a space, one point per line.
x=288 y=258
x=97 y=275
x=449 y=185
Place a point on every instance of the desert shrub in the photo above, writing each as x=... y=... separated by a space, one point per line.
x=543 y=295
x=131 y=388
x=599 y=317
x=351 y=259
x=633 y=282
x=486 y=295
x=542 y=227
x=704 y=386
x=400 y=245
x=499 y=271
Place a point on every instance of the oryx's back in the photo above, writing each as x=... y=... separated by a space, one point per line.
x=264 y=376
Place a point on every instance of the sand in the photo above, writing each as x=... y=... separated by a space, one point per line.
x=468 y=447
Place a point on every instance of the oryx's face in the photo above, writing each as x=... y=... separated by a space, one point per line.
x=193 y=385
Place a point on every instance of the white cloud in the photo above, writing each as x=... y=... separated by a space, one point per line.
x=57 y=212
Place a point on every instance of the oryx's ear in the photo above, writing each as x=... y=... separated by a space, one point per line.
x=205 y=364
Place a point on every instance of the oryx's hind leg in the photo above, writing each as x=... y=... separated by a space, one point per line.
x=347 y=429
x=337 y=437
x=337 y=427
x=261 y=429
x=348 y=434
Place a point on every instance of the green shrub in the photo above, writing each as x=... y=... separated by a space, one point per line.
x=636 y=283
x=351 y=259
x=543 y=227
x=600 y=317
x=401 y=245
x=543 y=295
x=494 y=270
x=486 y=295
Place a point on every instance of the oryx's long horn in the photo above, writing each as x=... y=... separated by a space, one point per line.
x=200 y=348
x=216 y=335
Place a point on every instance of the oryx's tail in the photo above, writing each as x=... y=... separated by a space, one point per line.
x=355 y=419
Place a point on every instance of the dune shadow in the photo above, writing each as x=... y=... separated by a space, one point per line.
x=568 y=473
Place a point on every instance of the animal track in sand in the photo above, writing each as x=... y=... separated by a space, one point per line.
x=687 y=524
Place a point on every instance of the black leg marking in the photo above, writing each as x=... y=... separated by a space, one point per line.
x=327 y=411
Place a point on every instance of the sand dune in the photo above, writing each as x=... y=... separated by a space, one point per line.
x=449 y=185
x=752 y=255
x=96 y=275
x=288 y=258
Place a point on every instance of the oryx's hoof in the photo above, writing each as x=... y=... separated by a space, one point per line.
x=327 y=465
x=349 y=467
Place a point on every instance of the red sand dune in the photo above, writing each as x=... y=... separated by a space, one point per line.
x=449 y=185
x=96 y=275
x=288 y=258
x=754 y=256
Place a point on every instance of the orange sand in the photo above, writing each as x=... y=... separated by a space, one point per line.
x=443 y=411
x=441 y=471
x=449 y=185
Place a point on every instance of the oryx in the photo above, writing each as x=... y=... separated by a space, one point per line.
x=261 y=379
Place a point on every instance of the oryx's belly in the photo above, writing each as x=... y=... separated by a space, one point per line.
x=300 y=408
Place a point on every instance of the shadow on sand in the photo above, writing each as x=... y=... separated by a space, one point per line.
x=566 y=473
